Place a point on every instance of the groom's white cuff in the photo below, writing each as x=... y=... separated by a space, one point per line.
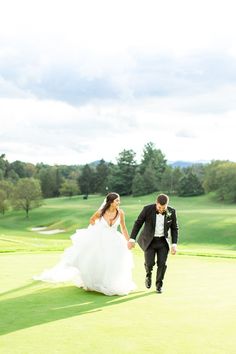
x=131 y=240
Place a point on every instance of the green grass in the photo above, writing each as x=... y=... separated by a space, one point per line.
x=206 y=226
x=195 y=314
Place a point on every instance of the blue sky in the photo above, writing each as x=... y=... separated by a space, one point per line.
x=81 y=81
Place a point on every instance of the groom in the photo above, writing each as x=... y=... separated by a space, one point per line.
x=157 y=218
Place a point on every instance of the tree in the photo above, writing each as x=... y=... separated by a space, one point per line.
x=4 y=167
x=27 y=194
x=177 y=174
x=199 y=170
x=102 y=174
x=122 y=174
x=4 y=203
x=69 y=188
x=167 y=180
x=210 y=183
x=12 y=176
x=153 y=159
x=138 y=185
x=86 y=180
x=51 y=181
x=30 y=170
x=170 y=179
x=150 y=183
x=189 y=185
x=6 y=191
x=226 y=182
x=19 y=168
x=7 y=187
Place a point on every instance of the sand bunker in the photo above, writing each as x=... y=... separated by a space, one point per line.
x=49 y=232
x=38 y=228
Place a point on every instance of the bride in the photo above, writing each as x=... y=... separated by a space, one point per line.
x=99 y=258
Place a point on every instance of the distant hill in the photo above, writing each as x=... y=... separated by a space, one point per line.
x=183 y=164
x=95 y=163
x=179 y=163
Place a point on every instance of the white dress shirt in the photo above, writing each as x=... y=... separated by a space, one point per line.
x=159 y=228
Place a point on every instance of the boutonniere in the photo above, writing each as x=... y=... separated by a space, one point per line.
x=168 y=213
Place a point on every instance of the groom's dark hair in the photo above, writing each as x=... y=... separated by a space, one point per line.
x=162 y=199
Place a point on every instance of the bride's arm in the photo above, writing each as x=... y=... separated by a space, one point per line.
x=94 y=217
x=123 y=226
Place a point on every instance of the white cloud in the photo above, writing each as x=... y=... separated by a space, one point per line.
x=55 y=132
x=83 y=80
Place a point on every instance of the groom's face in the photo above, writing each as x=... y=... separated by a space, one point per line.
x=161 y=208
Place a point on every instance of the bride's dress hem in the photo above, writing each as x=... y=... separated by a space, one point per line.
x=98 y=260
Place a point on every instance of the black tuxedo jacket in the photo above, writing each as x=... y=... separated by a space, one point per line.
x=148 y=218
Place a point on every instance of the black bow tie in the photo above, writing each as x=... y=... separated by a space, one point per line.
x=157 y=212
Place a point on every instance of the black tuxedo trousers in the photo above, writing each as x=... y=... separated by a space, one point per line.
x=156 y=252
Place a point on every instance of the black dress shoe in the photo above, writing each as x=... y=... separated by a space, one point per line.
x=159 y=290
x=148 y=282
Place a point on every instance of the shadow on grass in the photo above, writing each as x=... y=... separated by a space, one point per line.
x=47 y=305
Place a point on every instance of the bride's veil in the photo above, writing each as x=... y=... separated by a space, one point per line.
x=103 y=203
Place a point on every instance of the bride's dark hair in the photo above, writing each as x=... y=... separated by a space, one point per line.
x=109 y=200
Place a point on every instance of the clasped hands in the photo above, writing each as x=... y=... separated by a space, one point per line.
x=131 y=244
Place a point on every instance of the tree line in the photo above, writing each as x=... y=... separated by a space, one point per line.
x=24 y=185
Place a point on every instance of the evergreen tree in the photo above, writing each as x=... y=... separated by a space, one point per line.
x=153 y=159
x=51 y=181
x=87 y=180
x=177 y=174
x=190 y=185
x=167 y=180
x=102 y=175
x=170 y=179
x=150 y=179
x=138 y=185
x=122 y=174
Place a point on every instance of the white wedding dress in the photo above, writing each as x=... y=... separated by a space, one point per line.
x=98 y=260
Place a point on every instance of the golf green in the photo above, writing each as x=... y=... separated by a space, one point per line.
x=195 y=314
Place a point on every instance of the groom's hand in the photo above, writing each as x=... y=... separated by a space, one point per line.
x=173 y=249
